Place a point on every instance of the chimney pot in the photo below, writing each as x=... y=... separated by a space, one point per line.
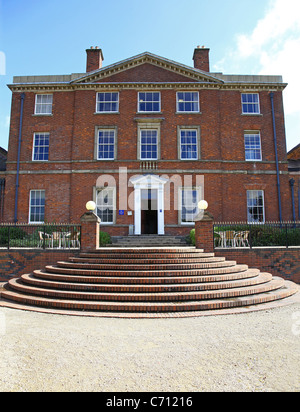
x=201 y=58
x=94 y=59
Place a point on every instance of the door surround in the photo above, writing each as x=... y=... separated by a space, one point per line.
x=148 y=182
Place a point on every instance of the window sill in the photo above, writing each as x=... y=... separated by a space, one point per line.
x=42 y=114
x=251 y=114
x=107 y=113
x=188 y=112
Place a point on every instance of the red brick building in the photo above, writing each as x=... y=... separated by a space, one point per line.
x=147 y=138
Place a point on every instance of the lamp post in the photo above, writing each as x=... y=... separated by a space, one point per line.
x=204 y=228
x=90 y=228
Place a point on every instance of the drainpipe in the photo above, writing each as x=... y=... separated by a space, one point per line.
x=19 y=155
x=276 y=156
x=292 y=182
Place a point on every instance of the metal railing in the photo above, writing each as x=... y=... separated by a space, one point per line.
x=43 y=236
x=249 y=235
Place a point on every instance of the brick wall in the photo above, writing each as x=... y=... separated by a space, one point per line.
x=72 y=171
x=14 y=263
x=277 y=261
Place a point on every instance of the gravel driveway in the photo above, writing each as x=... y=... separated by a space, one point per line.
x=258 y=351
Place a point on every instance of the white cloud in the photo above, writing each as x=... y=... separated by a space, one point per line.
x=273 y=47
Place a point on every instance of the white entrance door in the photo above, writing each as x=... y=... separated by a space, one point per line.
x=154 y=187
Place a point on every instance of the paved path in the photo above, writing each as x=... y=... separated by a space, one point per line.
x=255 y=351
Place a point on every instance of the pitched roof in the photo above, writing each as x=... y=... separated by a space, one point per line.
x=294 y=154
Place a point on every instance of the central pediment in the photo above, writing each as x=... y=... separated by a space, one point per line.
x=146 y=68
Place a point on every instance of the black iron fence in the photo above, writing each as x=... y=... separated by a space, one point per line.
x=45 y=236
x=249 y=235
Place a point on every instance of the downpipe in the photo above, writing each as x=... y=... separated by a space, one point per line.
x=18 y=160
x=276 y=156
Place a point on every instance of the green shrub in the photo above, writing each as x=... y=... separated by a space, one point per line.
x=191 y=238
x=104 y=239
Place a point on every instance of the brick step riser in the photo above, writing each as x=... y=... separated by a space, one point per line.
x=155 y=288
x=120 y=267
x=92 y=270
x=154 y=261
x=188 y=278
x=17 y=285
x=142 y=256
x=150 y=308
x=138 y=251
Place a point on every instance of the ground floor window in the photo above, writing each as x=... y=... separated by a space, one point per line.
x=37 y=206
x=105 y=201
x=189 y=205
x=255 y=206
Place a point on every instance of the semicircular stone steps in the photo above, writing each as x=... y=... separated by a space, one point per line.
x=141 y=280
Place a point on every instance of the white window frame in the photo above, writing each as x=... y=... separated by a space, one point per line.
x=36 y=148
x=253 y=133
x=149 y=101
x=187 y=101
x=43 y=105
x=30 y=206
x=249 y=103
x=257 y=192
x=97 y=190
x=181 y=190
x=117 y=102
x=180 y=145
x=114 y=144
x=157 y=143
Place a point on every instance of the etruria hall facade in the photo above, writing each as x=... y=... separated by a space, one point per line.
x=146 y=139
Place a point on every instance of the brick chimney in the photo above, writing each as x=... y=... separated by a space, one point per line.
x=201 y=58
x=94 y=59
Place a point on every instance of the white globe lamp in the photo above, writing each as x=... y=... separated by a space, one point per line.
x=90 y=206
x=202 y=205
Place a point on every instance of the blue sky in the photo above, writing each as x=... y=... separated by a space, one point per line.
x=50 y=37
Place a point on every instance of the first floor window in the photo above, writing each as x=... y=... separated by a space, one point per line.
x=37 y=206
x=252 y=146
x=41 y=147
x=43 y=104
x=189 y=205
x=188 y=144
x=149 y=144
x=105 y=205
x=106 y=145
x=255 y=206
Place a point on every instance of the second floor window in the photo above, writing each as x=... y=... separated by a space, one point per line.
x=107 y=102
x=149 y=102
x=40 y=147
x=250 y=103
x=188 y=102
x=43 y=104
